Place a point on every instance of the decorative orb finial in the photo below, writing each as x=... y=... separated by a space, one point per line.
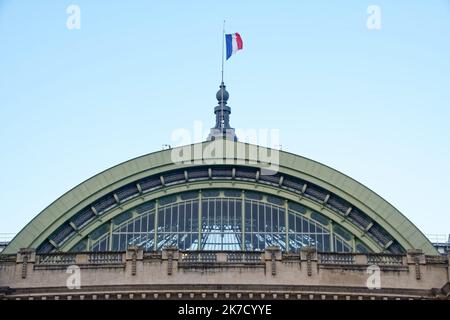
x=224 y=92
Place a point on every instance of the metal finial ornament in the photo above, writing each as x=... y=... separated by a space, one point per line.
x=222 y=128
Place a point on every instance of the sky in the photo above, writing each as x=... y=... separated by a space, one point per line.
x=371 y=103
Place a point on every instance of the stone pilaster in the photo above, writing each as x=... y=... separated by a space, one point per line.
x=26 y=257
x=415 y=258
x=309 y=254
x=170 y=255
x=272 y=255
x=133 y=255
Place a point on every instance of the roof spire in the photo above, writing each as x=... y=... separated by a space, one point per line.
x=222 y=129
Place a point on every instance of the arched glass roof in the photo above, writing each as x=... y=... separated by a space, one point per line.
x=335 y=205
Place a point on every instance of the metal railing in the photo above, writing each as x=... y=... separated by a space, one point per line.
x=439 y=238
x=6 y=237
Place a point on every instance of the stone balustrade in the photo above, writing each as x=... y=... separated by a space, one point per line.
x=410 y=275
x=211 y=257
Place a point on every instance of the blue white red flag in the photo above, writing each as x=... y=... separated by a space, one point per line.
x=234 y=43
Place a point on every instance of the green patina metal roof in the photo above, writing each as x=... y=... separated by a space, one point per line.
x=61 y=210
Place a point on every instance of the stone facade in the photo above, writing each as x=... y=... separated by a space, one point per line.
x=173 y=274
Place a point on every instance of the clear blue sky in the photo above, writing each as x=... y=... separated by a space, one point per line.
x=374 y=104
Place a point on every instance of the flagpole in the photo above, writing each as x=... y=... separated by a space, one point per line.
x=223 y=47
x=223 y=58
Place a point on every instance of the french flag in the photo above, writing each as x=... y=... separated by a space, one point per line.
x=234 y=43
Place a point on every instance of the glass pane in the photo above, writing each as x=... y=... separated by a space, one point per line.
x=221 y=228
x=182 y=219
